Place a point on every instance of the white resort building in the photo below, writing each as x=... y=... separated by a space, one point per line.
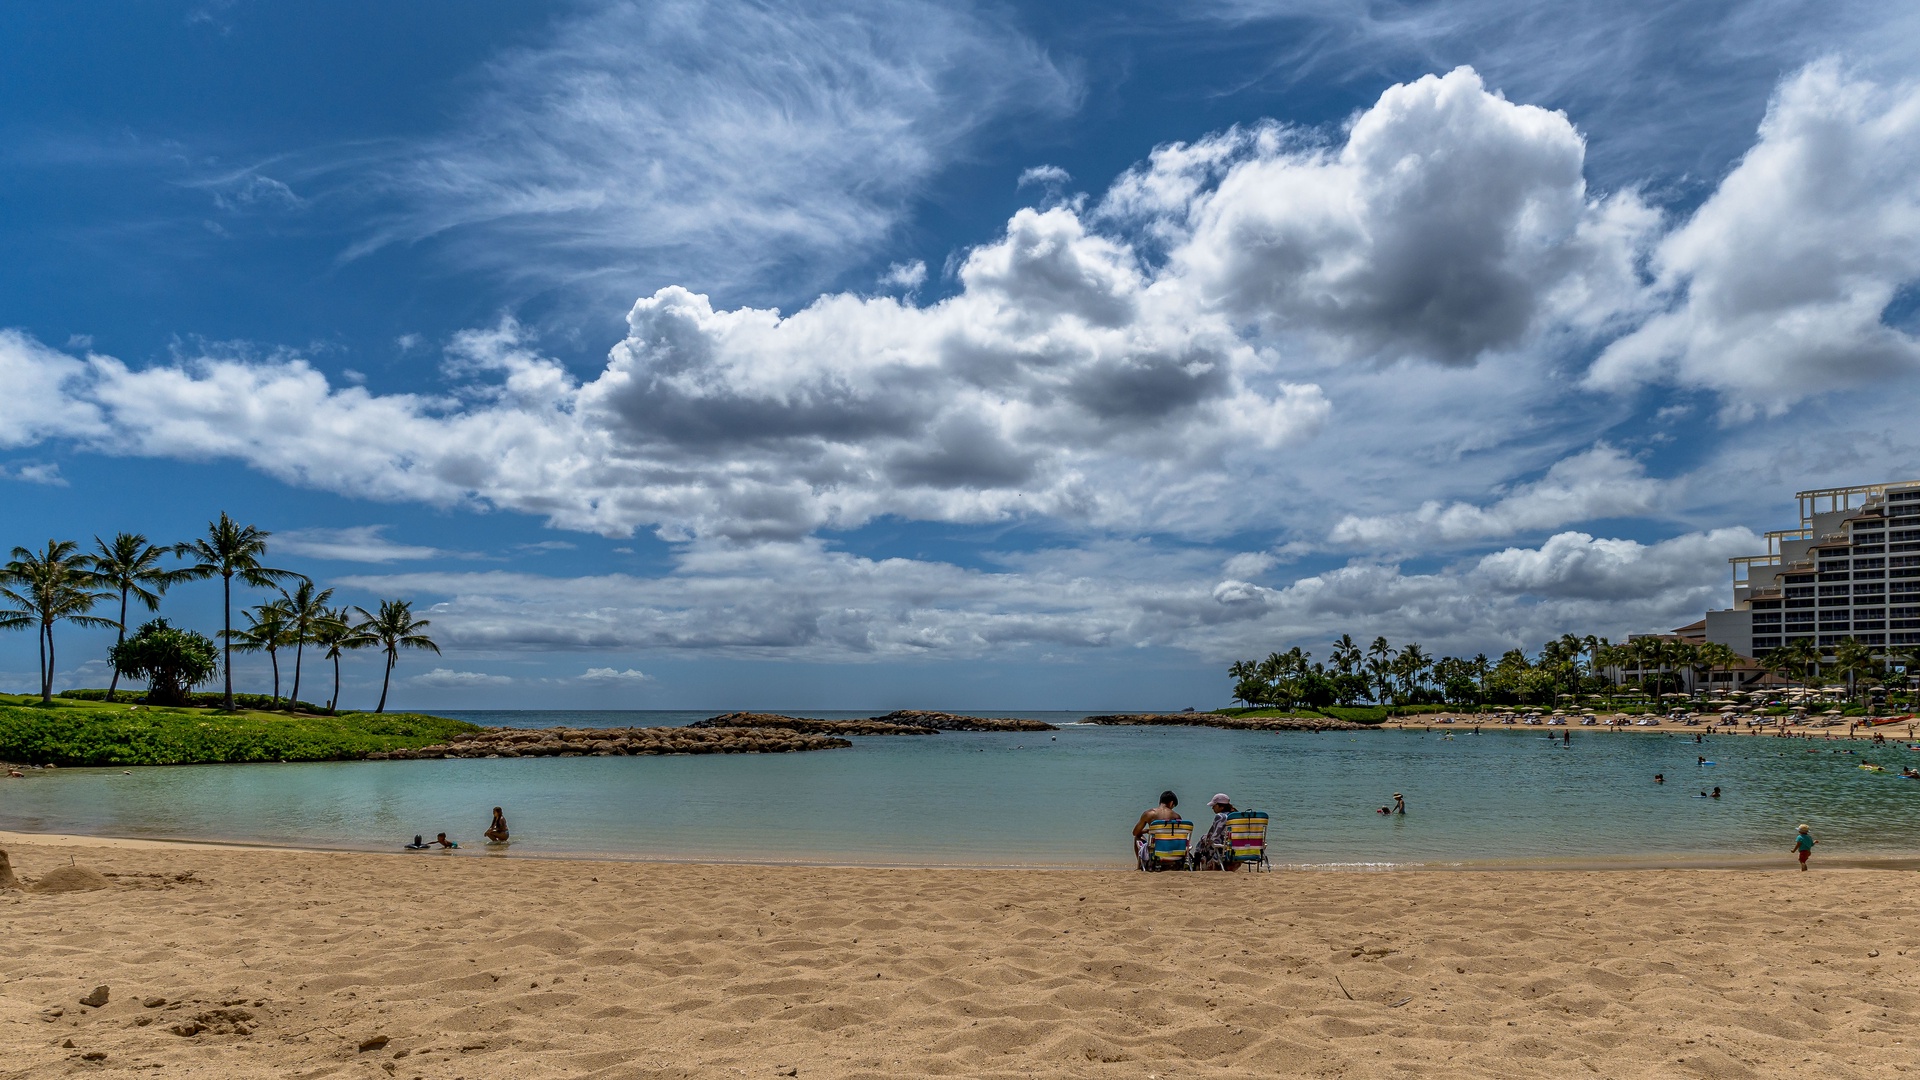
x=1852 y=569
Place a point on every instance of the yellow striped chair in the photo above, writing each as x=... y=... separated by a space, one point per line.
x=1247 y=838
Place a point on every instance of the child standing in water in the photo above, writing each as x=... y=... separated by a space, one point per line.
x=1803 y=843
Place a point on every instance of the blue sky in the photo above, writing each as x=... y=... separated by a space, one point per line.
x=814 y=355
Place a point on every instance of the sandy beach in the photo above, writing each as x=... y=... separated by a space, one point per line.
x=320 y=964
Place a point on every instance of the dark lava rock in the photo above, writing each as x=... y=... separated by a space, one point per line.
x=1238 y=723
x=877 y=726
x=942 y=721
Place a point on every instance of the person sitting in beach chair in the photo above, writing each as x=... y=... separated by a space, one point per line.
x=1166 y=845
x=1247 y=840
x=1163 y=812
x=1215 y=849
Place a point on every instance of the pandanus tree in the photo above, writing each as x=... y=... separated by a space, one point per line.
x=172 y=661
x=305 y=607
x=48 y=587
x=228 y=551
x=130 y=566
x=394 y=628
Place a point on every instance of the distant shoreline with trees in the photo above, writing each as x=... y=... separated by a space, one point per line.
x=1567 y=667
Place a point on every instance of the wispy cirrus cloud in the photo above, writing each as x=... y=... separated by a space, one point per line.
x=1600 y=483
x=355 y=543
x=712 y=141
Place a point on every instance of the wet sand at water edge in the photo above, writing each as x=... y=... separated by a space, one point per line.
x=233 y=962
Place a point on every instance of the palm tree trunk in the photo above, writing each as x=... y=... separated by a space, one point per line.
x=293 y=699
x=273 y=657
x=226 y=638
x=46 y=663
x=333 y=703
x=120 y=640
x=388 y=678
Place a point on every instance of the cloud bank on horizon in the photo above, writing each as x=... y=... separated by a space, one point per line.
x=1421 y=349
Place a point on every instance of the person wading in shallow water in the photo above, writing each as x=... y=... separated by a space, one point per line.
x=497 y=832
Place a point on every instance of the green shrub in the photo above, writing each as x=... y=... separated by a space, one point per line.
x=159 y=736
x=205 y=700
x=1358 y=714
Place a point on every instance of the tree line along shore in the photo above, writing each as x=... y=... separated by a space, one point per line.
x=63 y=584
x=1641 y=669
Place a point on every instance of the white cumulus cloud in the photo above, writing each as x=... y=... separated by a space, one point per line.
x=1779 y=282
x=615 y=675
x=449 y=679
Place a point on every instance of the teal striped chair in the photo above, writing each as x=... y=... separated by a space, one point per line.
x=1167 y=845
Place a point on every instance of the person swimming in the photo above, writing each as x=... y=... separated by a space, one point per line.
x=441 y=840
x=497 y=832
x=1659 y=778
x=1716 y=793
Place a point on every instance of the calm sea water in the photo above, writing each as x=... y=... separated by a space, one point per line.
x=1066 y=798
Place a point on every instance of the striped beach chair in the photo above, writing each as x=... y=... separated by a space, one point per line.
x=1167 y=845
x=1247 y=838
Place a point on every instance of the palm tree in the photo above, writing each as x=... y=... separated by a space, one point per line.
x=335 y=632
x=1380 y=669
x=1411 y=665
x=49 y=586
x=304 y=607
x=130 y=564
x=1711 y=657
x=394 y=628
x=228 y=551
x=1345 y=655
x=1792 y=660
x=268 y=630
x=1347 y=659
x=1852 y=659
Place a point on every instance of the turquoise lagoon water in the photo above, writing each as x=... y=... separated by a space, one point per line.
x=1060 y=799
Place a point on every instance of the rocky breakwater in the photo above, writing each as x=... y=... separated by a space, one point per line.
x=904 y=722
x=802 y=725
x=616 y=742
x=1238 y=723
x=944 y=721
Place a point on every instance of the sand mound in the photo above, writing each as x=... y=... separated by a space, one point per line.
x=69 y=879
x=7 y=880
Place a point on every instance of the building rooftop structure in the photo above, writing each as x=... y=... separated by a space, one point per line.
x=1850 y=570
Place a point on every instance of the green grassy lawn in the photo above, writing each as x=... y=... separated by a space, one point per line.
x=92 y=733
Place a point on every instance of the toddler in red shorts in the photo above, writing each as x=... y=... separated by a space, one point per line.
x=1803 y=843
